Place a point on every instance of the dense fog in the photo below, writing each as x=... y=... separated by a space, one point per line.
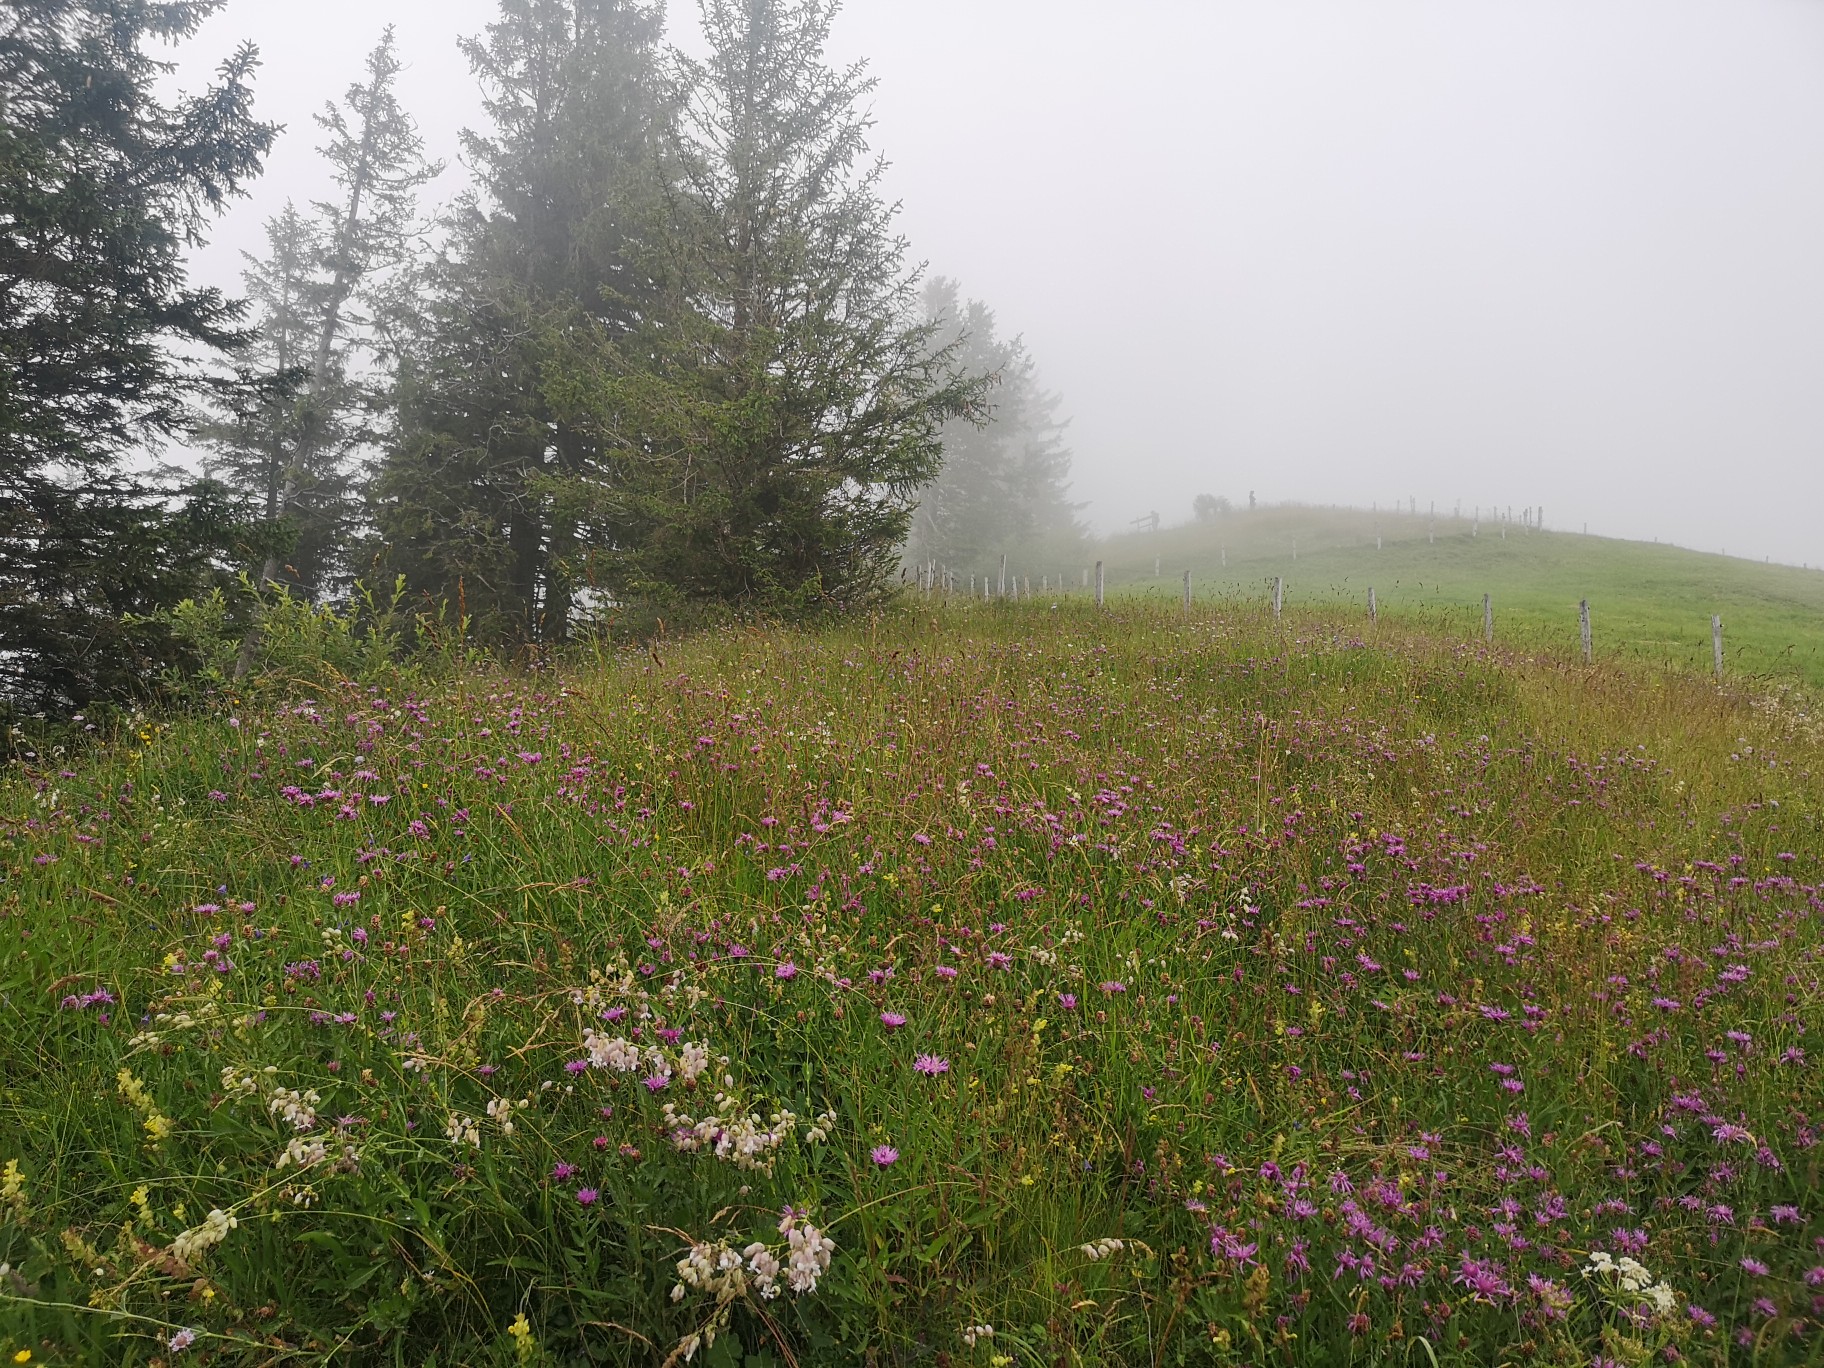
x=1548 y=254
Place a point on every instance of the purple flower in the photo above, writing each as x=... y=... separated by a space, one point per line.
x=892 y=1020
x=563 y=1172
x=1113 y=986
x=656 y=1082
x=1755 y=1266
x=1068 y=1001
x=587 y=1196
x=884 y=1155
x=944 y=971
x=182 y=1340
x=788 y=970
x=931 y=1065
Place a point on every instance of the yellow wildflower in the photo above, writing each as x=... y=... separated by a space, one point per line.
x=523 y=1343
x=12 y=1186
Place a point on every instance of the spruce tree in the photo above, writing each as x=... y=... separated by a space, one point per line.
x=104 y=346
x=315 y=292
x=765 y=430
x=1004 y=487
x=539 y=252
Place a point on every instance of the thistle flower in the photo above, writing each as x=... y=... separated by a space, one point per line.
x=931 y=1065
x=884 y=1155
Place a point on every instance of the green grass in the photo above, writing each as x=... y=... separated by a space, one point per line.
x=1648 y=602
x=1247 y=947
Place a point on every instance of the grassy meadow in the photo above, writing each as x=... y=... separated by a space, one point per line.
x=1649 y=602
x=972 y=985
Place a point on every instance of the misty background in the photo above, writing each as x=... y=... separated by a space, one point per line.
x=1561 y=253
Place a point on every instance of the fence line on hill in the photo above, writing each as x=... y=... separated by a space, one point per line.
x=932 y=578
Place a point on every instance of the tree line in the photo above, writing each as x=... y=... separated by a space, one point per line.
x=666 y=354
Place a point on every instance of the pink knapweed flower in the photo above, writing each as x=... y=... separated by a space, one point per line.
x=931 y=1065
x=892 y=1020
x=883 y=1155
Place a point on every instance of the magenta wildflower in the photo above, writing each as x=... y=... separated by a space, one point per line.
x=1068 y=1001
x=931 y=1065
x=884 y=1155
x=587 y=1196
x=1755 y=1267
x=788 y=970
x=1113 y=986
x=892 y=1020
x=944 y=971
x=562 y=1172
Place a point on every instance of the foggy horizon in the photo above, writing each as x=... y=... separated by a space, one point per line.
x=1551 y=255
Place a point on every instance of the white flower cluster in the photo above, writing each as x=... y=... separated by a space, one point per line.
x=303 y=1153
x=307 y=1153
x=1103 y=1249
x=500 y=1112
x=199 y=1239
x=810 y=1251
x=298 y=1109
x=623 y=1056
x=616 y=1053
x=820 y=1132
x=747 y=1142
x=972 y=1333
x=463 y=1130
x=243 y=1083
x=1633 y=1279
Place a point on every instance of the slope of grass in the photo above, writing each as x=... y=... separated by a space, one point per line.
x=1648 y=602
x=1110 y=988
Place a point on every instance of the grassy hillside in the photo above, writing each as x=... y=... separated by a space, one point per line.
x=1108 y=988
x=1648 y=602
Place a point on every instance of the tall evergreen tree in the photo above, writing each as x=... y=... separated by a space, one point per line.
x=104 y=346
x=574 y=99
x=764 y=430
x=1004 y=488
x=315 y=291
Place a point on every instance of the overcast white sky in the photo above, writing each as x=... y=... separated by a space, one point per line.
x=1558 y=252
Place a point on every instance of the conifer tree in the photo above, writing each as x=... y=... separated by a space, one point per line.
x=315 y=293
x=1004 y=487
x=462 y=500
x=104 y=346
x=764 y=430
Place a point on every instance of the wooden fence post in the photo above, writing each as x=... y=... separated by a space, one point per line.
x=1279 y=590
x=1098 y=584
x=1488 y=620
x=1583 y=621
x=1155 y=567
x=1716 y=642
x=1003 y=574
x=1187 y=591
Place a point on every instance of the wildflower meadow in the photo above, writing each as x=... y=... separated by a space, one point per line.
x=1005 y=984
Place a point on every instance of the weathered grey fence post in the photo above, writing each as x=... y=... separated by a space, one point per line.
x=1099 y=584
x=1377 y=543
x=1279 y=592
x=1003 y=574
x=1583 y=619
x=1155 y=567
x=1716 y=642
x=1187 y=591
x=1373 y=612
x=1488 y=619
